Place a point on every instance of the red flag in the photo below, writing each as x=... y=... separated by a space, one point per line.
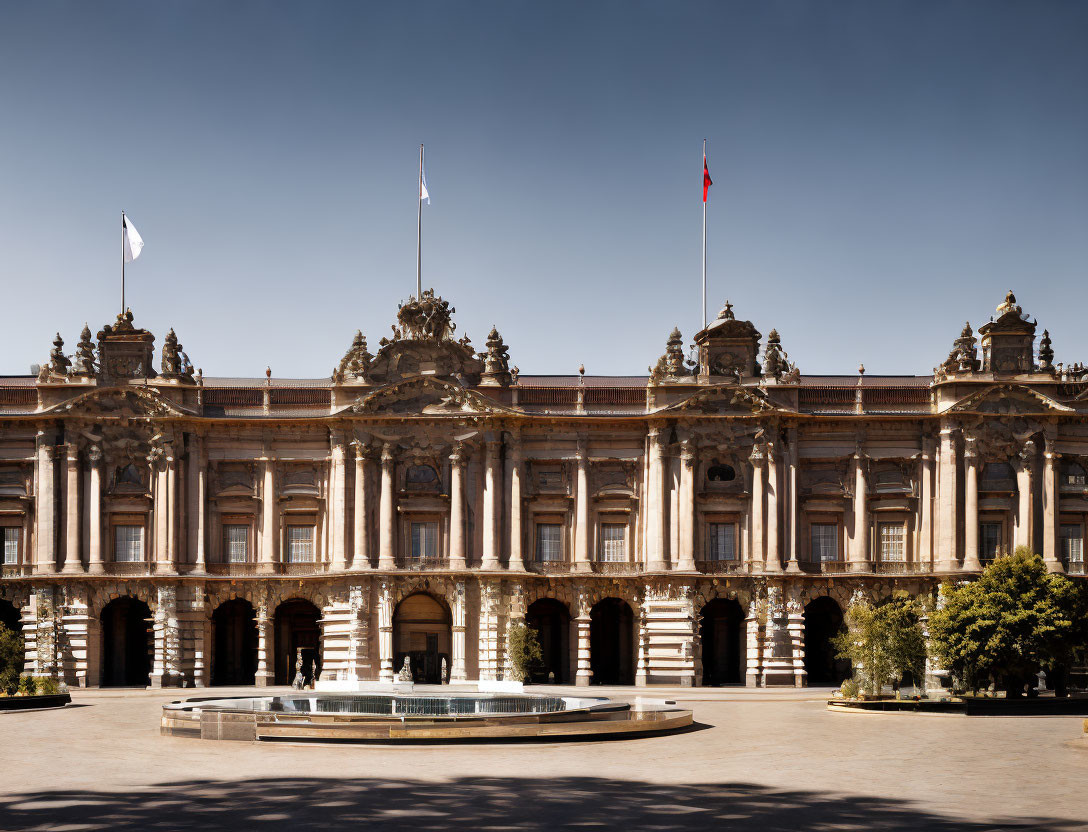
x=707 y=182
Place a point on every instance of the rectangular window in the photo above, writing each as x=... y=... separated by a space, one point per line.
x=892 y=545
x=721 y=541
x=128 y=544
x=236 y=544
x=825 y=542
x=1072 y=543
x=300 y=544
x=11 y=537
x=549 y=547
x=424 y=540
x=989 y=540
x=613 y=542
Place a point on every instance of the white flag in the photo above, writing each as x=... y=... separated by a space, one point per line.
x=423 y=193
x=134 y=243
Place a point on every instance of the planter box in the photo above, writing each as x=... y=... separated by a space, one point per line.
x=24 y=703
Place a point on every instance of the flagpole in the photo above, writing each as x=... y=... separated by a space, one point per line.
x=122 y=262
x=419 y=229
x=704 y=239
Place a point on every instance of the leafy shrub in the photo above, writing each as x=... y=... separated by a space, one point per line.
x=849 y=689
x=28 y=686
x=524 y=650
x=48 y=686
x=883 y=643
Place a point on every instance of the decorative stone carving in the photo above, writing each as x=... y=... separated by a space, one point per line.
x=725 y=400
x=496 y=360
x=83 y=363
x=1007 y=343
x=58 y=361
x=672 y=365
x=124 y=351
x=728 y=347
x=1046 y=353
x=424 y=397
x=964 y=355
x=356 y=361
x=175 y=363
x=776 y=363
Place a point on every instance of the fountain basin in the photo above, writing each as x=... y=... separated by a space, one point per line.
x=429 y=716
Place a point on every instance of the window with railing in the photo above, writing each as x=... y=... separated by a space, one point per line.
x=824 y=538
x=549 y=542
x=236 y=543
x=989 y=540
x=128 y=544
x=300 y=544
x=1072 y=542
x=613 y=542
x=721 y=541
x=11 y=536
x=892 y=542
x=424 y=540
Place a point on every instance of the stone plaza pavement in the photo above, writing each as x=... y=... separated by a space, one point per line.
x=757 y=759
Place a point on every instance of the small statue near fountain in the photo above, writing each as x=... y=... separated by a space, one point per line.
x=444 y=678
x=299 y=682
x=405 y=673
x=315 y=674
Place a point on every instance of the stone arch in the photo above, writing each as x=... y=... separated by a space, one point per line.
x=823 y=619
x=10 y=615
x=234 y=642
x=552 y=620
x=297 y=634
x=722 y=637
x=128 y=642
x=612 y=641
x=423 y=634
x=101 y=598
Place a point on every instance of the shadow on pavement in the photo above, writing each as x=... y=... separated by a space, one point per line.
x=480 y=803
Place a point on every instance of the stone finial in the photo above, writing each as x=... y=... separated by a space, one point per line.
x=861 y=369
x=776 y=363
x=671 y=364
x=496 y=360
x=727 y=312
x=83 y=363
x=963 y=357
x=171 y=358
x=356 y=361
x=582 y=371
x=1009 y=305
x=58 y=361
x=514 y=373
x=1046 y=353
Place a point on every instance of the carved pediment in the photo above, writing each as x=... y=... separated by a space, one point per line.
x=120 y=403
x=725 y=400
x=426 y=396
x=406 y=358
x=1011 y=400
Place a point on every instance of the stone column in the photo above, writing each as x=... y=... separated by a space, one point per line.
x=753 y=651
x=774 y=556
x=160 y=501
x=266 y=640
x=73 y=563
x=94 y=511
x=1051 y=507
x=686 y=561
x=513 y=477
x=755 y=551
x=45 y=533
x=457 y=670
x=859 y=549
x=199 y=465
x=339 y=513
x=492 y=497
x=584 y=668
x=793 y=565
x=655 y=505
x=269 y=515
x=172 y=505
x=925 y=534
x=581 y=511
x=947 y=554
x=385 y=631
x=387 y=509
x=1025 y=461
x=457 y=507
x=360 y=535
x=970 y=520
x=165 y=670
x=642 y=637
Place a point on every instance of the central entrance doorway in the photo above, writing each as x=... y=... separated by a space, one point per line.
x=824 y=621
x=612 y=643
x=234 y=624
x=422 y=633
x=297 y=629
x=127 y=643
x=721 y=632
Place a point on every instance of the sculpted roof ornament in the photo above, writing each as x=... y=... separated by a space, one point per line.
x=84 y=364
x=58 y=361
x=776 y=363
x=496 y=360
x=175 y=363
x=672 y=363
x=124 y=351
x=356 y=361
x=429 y=317
x=963 y=358
x=425 y=396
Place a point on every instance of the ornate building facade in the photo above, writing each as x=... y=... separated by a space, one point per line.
x=706 y=523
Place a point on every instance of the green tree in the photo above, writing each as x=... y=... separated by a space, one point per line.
x=524 y=650
x=11 y=659
x=884 y=643
x=1014 y=620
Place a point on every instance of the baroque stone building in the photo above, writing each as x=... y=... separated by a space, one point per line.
x=706 y=523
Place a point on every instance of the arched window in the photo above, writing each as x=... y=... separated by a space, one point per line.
x=720 y=473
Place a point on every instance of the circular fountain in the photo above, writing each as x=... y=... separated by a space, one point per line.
x=394 y=716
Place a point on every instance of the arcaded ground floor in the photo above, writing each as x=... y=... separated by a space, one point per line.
x=760 y=759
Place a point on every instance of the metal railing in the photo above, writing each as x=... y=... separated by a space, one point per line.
x=548 y=567
x=14 y=570
x=723 y=567
x=127 y=568
x=421 y=564
x=600 y=567
x=1075 y=568
x=889 y=567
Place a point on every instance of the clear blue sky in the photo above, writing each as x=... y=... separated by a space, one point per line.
x=883 y=171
